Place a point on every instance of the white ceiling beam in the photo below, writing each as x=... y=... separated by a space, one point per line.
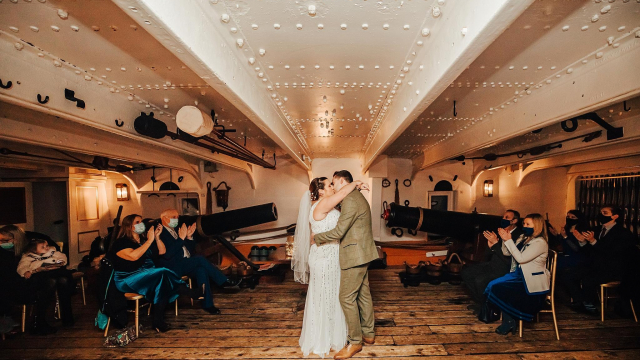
x=188 y=29
x=32 y=75
x=448 y=51
x=576 y=149
x=610 y=79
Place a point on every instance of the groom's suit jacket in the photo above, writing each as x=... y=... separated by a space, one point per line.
x=353 y=231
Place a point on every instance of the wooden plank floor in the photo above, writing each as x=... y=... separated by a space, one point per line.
x=412 y=323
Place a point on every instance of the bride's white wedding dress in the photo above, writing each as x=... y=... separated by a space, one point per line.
x=324 y=326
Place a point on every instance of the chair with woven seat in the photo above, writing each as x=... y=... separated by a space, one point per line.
x=130 y=297
x=551 y=266
x=604 y=297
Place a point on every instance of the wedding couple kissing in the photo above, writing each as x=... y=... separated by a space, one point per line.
x=332 y=252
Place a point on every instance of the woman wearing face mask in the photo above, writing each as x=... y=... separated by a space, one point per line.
x=136 y=273
x=521 y=293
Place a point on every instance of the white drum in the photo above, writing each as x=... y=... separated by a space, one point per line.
x=194 y=121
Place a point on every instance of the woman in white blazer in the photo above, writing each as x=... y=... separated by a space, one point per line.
x=521 y=293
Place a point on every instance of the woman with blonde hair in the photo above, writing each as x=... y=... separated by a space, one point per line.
x=521 y=293
x=18 y=236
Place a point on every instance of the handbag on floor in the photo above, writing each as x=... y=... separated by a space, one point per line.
x=488 y=313
x=122 y=338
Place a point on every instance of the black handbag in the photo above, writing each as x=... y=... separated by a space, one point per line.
x=488 y=313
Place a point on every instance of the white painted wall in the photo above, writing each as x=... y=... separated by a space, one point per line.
x=283 y=186
x=542 y=192
x=417 y=193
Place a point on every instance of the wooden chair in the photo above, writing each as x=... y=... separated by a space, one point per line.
x=80 y=275
x=552 y=259
x=604 y=297
x=130 y=297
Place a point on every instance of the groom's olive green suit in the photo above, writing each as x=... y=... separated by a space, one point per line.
x=357 y=250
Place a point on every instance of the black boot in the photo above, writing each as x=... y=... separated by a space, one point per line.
x=508 y=325
x=41 y=327
x=158 y=322
x=232 y=282
x=212 y=310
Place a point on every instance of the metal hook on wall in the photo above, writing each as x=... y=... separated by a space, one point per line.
x=46 y=99
x=71 y=96
x=624 y=106
x=119 y=124
x=8 y=85
x=455 y=112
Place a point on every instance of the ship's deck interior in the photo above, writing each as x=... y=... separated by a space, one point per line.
x=118 y=107
x=415 y=323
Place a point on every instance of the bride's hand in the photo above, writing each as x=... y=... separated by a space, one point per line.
x=361 y=186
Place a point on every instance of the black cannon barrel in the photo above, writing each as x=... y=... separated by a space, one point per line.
x=448 y=223
x=218 y=223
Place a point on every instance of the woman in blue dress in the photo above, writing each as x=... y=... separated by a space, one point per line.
x=136 y=273
x=521 y=293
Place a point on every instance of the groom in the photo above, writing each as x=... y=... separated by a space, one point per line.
x=357 y=250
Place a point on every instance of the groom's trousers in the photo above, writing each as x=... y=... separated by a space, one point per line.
x=357 y=305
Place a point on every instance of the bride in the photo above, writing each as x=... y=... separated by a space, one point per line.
x=324 y=326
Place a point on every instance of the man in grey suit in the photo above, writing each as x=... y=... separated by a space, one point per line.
x=357 y=250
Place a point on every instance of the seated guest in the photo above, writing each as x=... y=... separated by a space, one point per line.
x=569 y=239
x=43 y=266
x=522 y=292
x=180 y=257
x=39 y=255
x=496 y=262
x=607 y=247
x=17 y=290
x=136 y=273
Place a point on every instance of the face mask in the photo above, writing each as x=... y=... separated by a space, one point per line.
x=571 y=222
x=504 y=223
x=603 y=219
x=7 y=246
x=173 y=223
x=527 y=231
x=139 y=228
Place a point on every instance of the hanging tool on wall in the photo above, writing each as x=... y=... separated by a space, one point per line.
x=222 y=195
x=385 y=210
x=209 y=202
x=396 y=198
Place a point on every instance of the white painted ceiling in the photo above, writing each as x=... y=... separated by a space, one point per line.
x=109 y=48
x=331 y=63
x=547 y=42
x=330 y=66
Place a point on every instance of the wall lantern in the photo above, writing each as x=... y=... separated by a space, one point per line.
x=488 y=188
x=122 y=192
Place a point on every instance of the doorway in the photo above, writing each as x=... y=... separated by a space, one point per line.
x=50 y=212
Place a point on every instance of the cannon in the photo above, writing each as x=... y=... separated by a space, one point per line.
x=212 y=226
x=218 y=223
x=465 y=227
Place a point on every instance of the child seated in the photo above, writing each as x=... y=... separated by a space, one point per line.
x=38 y=256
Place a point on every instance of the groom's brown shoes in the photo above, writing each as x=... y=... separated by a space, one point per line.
x=348 y=351
x=369 y=341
